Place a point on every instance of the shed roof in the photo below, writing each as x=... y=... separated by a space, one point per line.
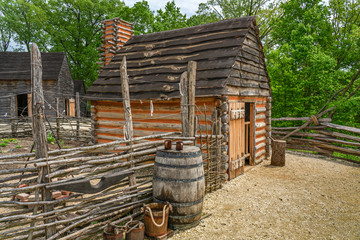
x=16 y=65
x=155 y=61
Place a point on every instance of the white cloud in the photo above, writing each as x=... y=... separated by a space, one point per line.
x=188 y=7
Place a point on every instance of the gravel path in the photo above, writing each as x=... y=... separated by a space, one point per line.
x=309 y=198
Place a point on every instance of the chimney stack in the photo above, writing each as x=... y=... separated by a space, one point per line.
x=116 y=33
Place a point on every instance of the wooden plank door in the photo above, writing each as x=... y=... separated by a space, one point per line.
x=236 y=139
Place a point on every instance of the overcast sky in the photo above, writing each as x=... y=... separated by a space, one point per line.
x=188 y=7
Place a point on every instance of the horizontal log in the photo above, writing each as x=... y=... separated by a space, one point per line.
x=260 y=139
x=340 y=127
x=260 y=125
x=293 y=128
x=328 y=146
x=262 y=132
x=334 y=140
x=259 y=146
x=90 y=148
x=301 y=119
x=260 y=110
x=339 y=135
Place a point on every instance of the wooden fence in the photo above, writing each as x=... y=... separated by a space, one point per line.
x=65 y=128
x=323 y=137
x=83 y=214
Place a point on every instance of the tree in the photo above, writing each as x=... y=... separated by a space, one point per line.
x=20 y=16
x=140 y=16
x=5 y=34
x=313 y=56
x=171 y=18
x=74 y=27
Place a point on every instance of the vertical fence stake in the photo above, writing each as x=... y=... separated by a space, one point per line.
x=57 y=119
x=127 y=110
x=184 y=104
x=13 y=115
x=77 y=107
x=39 y=131
x=192 y=84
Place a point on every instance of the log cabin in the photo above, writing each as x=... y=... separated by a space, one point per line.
x=15 y=80
x=231 y=81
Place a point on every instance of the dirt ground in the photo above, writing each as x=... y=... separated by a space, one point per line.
x=309 y=198
x=23 y=145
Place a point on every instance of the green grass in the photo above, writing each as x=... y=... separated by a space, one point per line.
x=347 y=156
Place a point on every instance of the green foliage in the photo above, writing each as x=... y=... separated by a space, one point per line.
x=305 y=66
x=5 y=141
x=50 y=138
x=170 y=18
x=311 y=46
x=18 y=146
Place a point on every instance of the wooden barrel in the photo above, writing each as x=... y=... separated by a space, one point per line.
x=179 y=180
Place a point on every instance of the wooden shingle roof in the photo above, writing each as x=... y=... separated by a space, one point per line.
x=16 y=65
x=155 y=61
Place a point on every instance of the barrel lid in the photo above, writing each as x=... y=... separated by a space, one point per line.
x=188 y=151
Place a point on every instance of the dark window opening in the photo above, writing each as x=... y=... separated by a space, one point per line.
x=22 y=105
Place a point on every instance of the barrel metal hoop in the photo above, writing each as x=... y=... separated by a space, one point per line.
x=178 y=154
x=178 y=166
x=178 y=180
x=185 y=204
x=184 y=226
x=185 y=217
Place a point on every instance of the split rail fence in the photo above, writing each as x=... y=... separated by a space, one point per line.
x=323 y=137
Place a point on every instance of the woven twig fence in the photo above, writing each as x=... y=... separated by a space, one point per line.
x=77 y=215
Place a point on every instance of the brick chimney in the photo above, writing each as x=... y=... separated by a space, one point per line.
x=116 y=33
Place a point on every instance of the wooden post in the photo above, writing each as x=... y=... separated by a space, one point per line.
x=13 y=115
x=126 y=99
x=184 y=104
x=39 y=132
x=127 y=110
x=192 y=84
x=253 y=133
x=77 y=107
x=93 y=116
x=278 y=153
x=268 y=127
x=29 y=105
x=57 y=119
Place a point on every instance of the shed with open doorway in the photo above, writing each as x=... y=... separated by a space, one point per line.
x=231 y=82
x=15 y=80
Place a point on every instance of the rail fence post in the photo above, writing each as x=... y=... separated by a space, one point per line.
x=39 y=132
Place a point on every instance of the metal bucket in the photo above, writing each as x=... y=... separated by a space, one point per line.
x=112 y=232
x=156 y=219
x=135 y=230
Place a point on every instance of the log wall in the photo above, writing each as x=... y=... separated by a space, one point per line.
x=109 y=117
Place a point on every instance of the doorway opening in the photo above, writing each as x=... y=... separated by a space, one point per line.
x=22 y=105
x=249 y=136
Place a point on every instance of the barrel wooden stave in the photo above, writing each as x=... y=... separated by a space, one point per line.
x=180 y=181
